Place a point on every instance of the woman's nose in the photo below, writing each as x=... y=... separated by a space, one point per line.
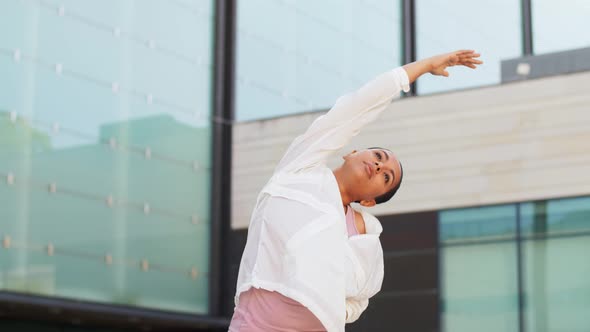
x=378 y=166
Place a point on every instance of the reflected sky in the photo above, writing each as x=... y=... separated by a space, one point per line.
x=493 y=29
x=560 y=25
x=301 y=56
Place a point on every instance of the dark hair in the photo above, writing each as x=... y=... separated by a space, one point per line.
x=388 y=195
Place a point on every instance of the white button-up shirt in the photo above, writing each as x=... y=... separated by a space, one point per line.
x=297 y=240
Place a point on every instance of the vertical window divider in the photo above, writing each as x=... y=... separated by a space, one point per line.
x=519 y=269
x=527 y=27
x=409 y=37
x=223 y=77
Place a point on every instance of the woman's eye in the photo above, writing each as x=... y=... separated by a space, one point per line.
x=378 y=155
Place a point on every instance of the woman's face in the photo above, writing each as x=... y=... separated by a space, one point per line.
x=371 y=173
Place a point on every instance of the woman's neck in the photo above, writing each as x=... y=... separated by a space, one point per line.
x=344 y=194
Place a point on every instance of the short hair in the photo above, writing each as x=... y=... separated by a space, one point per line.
x=388 y=195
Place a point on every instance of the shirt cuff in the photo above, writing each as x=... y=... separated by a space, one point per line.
x=402 y=77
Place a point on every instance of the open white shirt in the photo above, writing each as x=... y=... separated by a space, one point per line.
x=364 y=262
x=297 y=240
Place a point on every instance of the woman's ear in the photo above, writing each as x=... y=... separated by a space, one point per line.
x=345 y=156
x=368 y=203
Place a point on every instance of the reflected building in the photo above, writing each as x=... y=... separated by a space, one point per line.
x=122 y=214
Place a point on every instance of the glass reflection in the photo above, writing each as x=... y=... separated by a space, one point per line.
x=493 y=30
x=314 y=52
x=479 y=269
x=557 y=25
x=103 y=117
x=557 y=290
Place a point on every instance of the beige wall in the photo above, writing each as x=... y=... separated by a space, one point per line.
x=512 y=142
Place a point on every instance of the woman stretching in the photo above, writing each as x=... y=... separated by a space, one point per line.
x=311 y=262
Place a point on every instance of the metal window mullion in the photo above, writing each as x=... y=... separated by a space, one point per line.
x=439 y=247
x=519 y=271
x=223 y=108
x=527 y=27
x=409 y=36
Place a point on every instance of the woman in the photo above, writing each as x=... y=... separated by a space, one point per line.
x=303 y=269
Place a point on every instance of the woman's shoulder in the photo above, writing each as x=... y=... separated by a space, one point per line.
x=370 y=223
x=359 y=222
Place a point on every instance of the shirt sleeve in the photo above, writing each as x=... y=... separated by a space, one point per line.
x=351 y=112
x=354 y=309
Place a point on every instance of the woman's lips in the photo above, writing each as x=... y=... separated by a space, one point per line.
x=369 y=170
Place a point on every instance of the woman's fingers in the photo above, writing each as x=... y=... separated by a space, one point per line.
x=470 y=60
x=467 y=59
x=474 y=61
x=461 y=52
x=469 y=55
x=472 y=56
x=470 y=64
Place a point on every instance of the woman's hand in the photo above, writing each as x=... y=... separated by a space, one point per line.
x=438 y=64
x=467 y=58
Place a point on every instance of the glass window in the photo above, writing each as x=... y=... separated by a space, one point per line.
x=560 y=25
x=479 y=269
x=556 y=217
x=298 y=56
x=477 y=224
x=556 y=264
x=493 y=29
x=105 y=151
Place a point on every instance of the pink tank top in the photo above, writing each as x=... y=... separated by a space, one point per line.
x=350 y=222
x=261 y=310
